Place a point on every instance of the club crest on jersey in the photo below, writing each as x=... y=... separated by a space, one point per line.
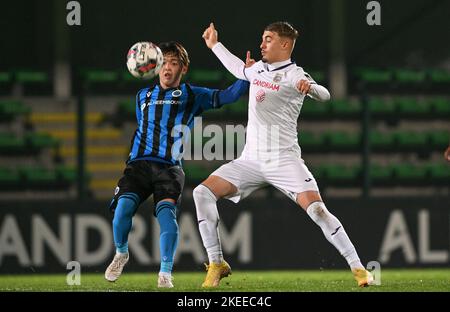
x=177 y=93
x=277 y=77
x=149 y=93
x=260 y=96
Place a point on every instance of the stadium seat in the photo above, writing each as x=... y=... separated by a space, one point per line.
x=381 y=141
x=10 y=144
x=9 y=179
x=381 y=108
x=10 y=109
x=343 y=141
x=409 y=174
x=66 y=175
x=195 y=172
x=29 y=76
x=345 y=109
x=439 y=76
x=440 y=107
x=411 y=141
x=240 y=107
x=380 y=175
x=315 y=110
x=41 y=140
x=439 y=139
x=311 y=141
x=404 y=76
x=439 y=173
x=374 y=76
x=94 y=76
x=5 y=77
x=341 y=175
x=411 y=108
x=205 y=76
x=39 y=177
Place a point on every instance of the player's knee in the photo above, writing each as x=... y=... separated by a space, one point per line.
x=202 y=192
x=317 y=209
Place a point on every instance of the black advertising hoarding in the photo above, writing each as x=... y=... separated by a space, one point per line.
x=256 y=234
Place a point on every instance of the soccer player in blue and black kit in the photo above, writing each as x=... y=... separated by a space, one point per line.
x=154 y=165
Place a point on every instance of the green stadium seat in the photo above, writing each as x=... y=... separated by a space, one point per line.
x=345 y=109
x=374 y=76
x=311 y=141
x=409 y=76
x=318 y=173
x=10 y=144
x=341 y=175
x=318 y=76
x=202 y=76
x=239 y=107
x=439 y=140
x=5 y=77
x=409 y=107
x=343 y=141
x=440 y=107
x=381 y=141
x=39 y=177
x=313 y=109
x=94 y=76
x=9 y=178
x=196 y=172
x=66 y=174
x=440 y=76
x=30 y=76
x=409 y=174
x=439 y=173
x=10 y=109
x=380 y=175
x=381 y=108
x=409 y=140
x=41 y=140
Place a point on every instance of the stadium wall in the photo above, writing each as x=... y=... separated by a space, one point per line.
x=256 y=234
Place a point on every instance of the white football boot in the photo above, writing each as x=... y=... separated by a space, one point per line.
x=165 y=280
x=114 y=270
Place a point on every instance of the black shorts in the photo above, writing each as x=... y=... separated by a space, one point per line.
x=145 y=177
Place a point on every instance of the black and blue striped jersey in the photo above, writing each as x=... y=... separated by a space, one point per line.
x=161 y=111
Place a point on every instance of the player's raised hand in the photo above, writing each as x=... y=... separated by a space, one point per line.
x=303 y=86
x=210 y=35
x=249 y=61
x=447 y=153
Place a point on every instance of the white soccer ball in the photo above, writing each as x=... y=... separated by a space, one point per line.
x=144 y=60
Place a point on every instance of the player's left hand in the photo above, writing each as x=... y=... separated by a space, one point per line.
x=303 y=86
x=249 y=61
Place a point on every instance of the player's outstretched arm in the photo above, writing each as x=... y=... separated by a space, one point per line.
x=313 y=90
x=233 y=92
x=231 y=62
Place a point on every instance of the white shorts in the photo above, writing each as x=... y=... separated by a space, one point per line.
x=288 y=173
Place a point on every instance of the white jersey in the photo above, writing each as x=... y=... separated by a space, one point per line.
x=274 y=103
x=273 y=108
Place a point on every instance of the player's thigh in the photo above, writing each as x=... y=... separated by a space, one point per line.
x=168 y=182
x=236 y=179
x=135 y=181
x=291 y=176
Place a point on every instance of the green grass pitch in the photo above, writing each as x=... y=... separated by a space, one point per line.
x=397 y=280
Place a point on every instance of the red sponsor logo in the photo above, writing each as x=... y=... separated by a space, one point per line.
x=267 y=85
x=260 y=95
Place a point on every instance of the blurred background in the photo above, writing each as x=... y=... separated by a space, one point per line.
x=67 y=106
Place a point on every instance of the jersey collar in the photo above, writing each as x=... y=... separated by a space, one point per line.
x=278 y=65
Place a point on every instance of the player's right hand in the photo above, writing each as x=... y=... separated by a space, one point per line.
x=447 y=154
x=210 y=36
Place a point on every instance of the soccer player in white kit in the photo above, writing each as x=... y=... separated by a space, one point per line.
x=271 y=155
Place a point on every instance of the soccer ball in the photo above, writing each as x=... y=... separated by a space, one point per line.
x=144 y=60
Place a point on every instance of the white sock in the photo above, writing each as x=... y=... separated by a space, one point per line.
x=334 y=233
x=208 y=222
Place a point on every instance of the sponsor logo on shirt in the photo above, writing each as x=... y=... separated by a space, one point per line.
x=267 y=85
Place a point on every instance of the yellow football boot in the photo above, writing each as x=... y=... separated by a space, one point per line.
x=215 y=272
x=363 y=277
